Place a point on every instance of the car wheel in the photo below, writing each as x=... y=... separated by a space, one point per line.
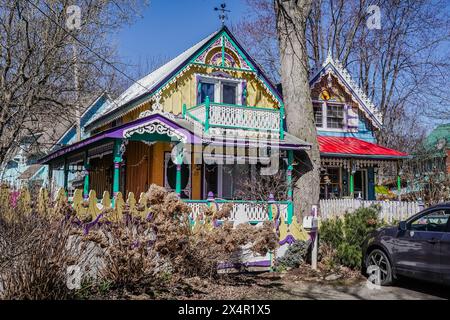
x=378 y=268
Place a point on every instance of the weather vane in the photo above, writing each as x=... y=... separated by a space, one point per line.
x=222 y=16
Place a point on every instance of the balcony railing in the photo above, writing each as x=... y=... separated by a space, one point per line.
x=230 y=116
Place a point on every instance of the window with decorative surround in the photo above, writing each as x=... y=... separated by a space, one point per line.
x=220 y=90
x=330 y=115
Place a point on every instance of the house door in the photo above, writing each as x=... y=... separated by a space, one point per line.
x=170 y=176
x=360 y=184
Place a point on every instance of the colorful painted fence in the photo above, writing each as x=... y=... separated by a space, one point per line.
x=90 y=210
x=390 y=211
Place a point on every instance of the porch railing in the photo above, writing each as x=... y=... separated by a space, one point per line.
x=390 y=211
x=220 y=115
x=245 y=210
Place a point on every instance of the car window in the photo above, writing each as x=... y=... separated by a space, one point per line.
x=432 y=221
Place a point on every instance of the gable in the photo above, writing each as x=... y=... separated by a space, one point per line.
x=219 y=50
x=336 y=78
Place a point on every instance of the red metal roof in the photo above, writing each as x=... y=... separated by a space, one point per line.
x=350 y=146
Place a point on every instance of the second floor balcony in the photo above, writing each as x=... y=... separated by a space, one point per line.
x=230 y=116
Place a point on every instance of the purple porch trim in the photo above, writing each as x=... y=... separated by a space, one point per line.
x=117 y=133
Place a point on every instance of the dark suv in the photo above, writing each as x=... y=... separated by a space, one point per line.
x=418 y=247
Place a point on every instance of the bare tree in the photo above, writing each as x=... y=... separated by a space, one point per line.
x=402 y=67
x=37 y=90
x=291 y=28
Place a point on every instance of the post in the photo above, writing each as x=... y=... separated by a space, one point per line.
x=270 y=201
x=86 y=177
x=50 y=178
x=179 y=162
x=66 y=175
x=117 y=159
x=289 y=183
x=207 y=107
x=282 y=122
x=183 y=110
x=352 y=179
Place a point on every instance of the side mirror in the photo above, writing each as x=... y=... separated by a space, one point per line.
x=402 y=226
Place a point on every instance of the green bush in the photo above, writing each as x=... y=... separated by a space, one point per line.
x=294 y=256
x=347 y=234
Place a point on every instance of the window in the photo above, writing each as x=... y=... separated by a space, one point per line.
x=207 y=90
x=434 y=221
x=229 y=93
x=329 y=115
x=318 y=114
x=218 y=90
x=335 y=116
x=330 y=183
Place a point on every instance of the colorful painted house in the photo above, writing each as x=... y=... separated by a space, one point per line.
x=347 y=122
x=209 y=118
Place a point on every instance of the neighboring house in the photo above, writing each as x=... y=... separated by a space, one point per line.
x=214 y=103
x=346 y=122
x=24 y=168
x=427 y=174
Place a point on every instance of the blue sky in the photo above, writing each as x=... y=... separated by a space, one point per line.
x=168 y=27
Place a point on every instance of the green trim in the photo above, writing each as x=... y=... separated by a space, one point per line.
x=243 y=128
x=117 y=159
x=352 y=184
x=282 y=122
x=399 y=184
x=253 y=67
x=86 y=177
x=195 y=118
x=223 y=52
x=290 y=168
x=183 y=110
x=238 y=106
x=207 y=107
x=221 y=67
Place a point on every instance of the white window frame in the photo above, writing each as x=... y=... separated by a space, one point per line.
x=218 y=82
x=324 y=126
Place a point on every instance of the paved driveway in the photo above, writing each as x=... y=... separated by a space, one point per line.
x=404 y=290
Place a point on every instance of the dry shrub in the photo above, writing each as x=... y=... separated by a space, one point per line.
x=35 y=257
x=198 y=251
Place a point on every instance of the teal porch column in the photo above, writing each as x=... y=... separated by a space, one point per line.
x=282 y=122
x=290 y=192
x=352 y=178
x=86 y=176
x=179 y=162
x=117 y=159
x=207 y=107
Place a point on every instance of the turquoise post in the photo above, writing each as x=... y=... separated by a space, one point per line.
x=270 y=202
x=399 y=182
x=282 y=122
x=183 y=111
x=207 y=107
x=117 y=159
x=86 y=176
x=290 y=193
x=178 y=176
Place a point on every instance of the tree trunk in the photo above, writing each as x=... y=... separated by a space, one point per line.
x=292 y=17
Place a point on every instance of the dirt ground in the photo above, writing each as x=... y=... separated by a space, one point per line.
x=295 y=284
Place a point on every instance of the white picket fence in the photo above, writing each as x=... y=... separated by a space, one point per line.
x=390 y=210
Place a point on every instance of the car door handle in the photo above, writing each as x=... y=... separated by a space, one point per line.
x=432 y=241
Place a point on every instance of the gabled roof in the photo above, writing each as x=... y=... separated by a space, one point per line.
x=151 y=83
x=345 y=79
x=354 y=148
x=439 y=139
x=102 y=101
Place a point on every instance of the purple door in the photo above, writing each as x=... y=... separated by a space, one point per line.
x=418 y=249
